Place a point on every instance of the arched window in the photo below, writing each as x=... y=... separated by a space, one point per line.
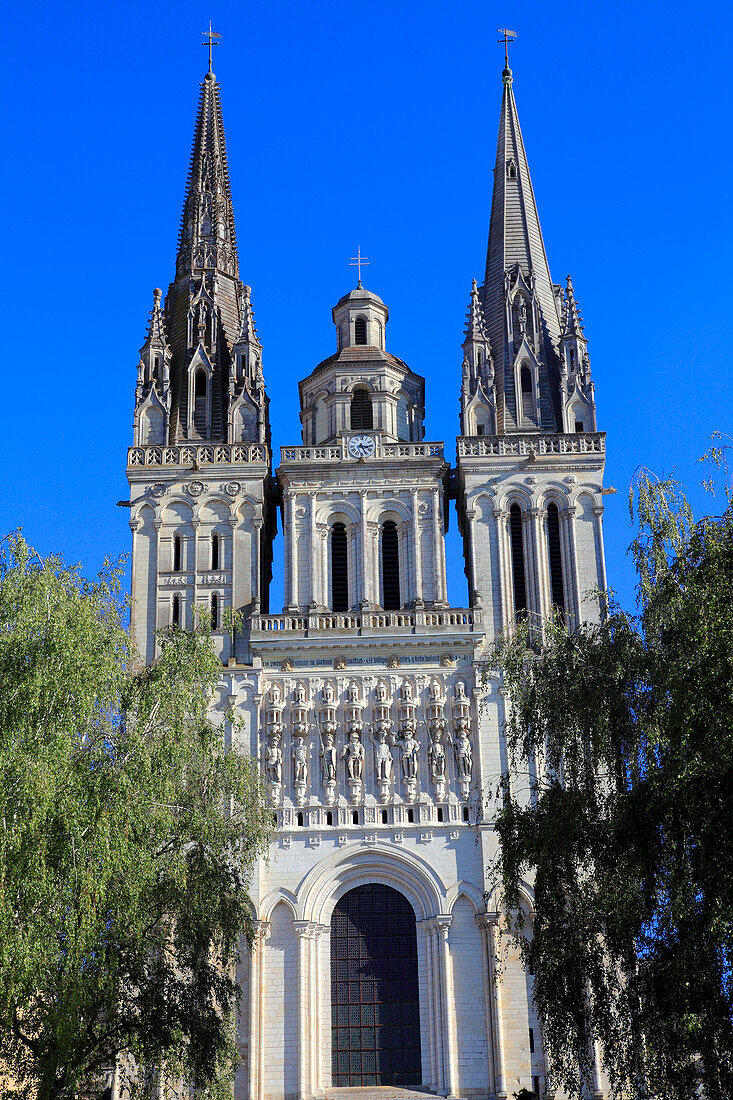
x=339 y=569
x=361 y=409
x=360 y=330
x=177 y=553
x=199 y=401
x=214 y=611
x=176 y=610
x=555 y=557
x=214 y=551
x=520 y=585
x=411 y=816
x=385 y=818
x=354 y=817
x=525 y=381
x=390 y=567
x=329 y=817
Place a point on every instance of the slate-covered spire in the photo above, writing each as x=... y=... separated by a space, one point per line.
x=208 y=237
x=520 y=300
x=206 y=306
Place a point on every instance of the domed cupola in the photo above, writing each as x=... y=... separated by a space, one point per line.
x=361 y=386
x=360 y=318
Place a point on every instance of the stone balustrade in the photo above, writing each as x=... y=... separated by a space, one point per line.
x=413 y=621
x=337 y=452
x=194 y=454
x=526 y=444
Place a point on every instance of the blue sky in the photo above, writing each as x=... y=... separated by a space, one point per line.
x=359 y=124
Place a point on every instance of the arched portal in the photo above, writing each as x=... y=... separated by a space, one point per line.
x=375 y=1014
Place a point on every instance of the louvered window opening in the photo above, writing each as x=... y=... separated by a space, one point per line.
x=176 y=614
x=360 y=330
x=361 y=409
x=177 y=554
x=527 y=395
x=555 y=556
x=339 y=569
x=214 y=611
x=390 y=567
x=214 y=551
x=375 y=1016
x=517 y=542
x=199 y=402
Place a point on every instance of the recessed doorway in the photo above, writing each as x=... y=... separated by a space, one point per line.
x=375 y=1013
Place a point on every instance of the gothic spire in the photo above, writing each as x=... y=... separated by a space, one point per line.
x=475 y=321
x=208 y=237
x=207 y=324
x=572 y=321
x=520 y=301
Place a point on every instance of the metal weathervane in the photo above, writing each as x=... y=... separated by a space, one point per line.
x=209 y=40
x=507 y=36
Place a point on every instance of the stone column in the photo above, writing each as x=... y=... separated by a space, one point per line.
x=482 y=920
x=314 y=558
x=256 y=1009
x=443 y=923
x=291 y=594
x=501 y=518
x=598 y=513
x=568 y=517
x=366 y=592
x=492 y=928
x=430 y=1001
x=542 y=557
x=438 y=552
x=471 y=540
x=303 y=933
x=233 y=584
x=196 y=524
x=417 y=556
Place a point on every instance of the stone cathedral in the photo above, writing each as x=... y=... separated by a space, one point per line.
x=365 y=698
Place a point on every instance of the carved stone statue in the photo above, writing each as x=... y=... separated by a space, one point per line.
x=300 y=761
x=410 y=749
x=353 y=752
x=436 y=755
x=274 y=760
x=383 y=761
x=328 y=758
x=464 y=756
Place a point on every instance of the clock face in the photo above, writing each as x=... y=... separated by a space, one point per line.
x=362 y=446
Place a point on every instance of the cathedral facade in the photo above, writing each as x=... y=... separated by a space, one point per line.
x=367 y=699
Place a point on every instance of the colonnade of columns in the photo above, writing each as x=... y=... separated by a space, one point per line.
x=364 y=566
x=536 y=561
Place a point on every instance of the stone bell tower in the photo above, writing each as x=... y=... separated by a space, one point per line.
x=199 y=469
x=530 y=460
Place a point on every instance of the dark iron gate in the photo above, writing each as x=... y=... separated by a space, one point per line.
x=375 y=1018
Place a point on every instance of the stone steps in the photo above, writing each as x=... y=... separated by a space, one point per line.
x=377 y=1092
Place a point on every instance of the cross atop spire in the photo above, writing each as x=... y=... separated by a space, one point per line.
x=358 y=261
x=209 y=37
x=507 y=36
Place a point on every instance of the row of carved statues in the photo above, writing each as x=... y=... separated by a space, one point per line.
x=387 y=740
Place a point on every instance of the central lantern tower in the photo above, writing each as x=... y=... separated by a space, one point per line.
x=363 y=497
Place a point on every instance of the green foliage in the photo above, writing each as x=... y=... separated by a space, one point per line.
x=127 y=840
x=625 y=729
